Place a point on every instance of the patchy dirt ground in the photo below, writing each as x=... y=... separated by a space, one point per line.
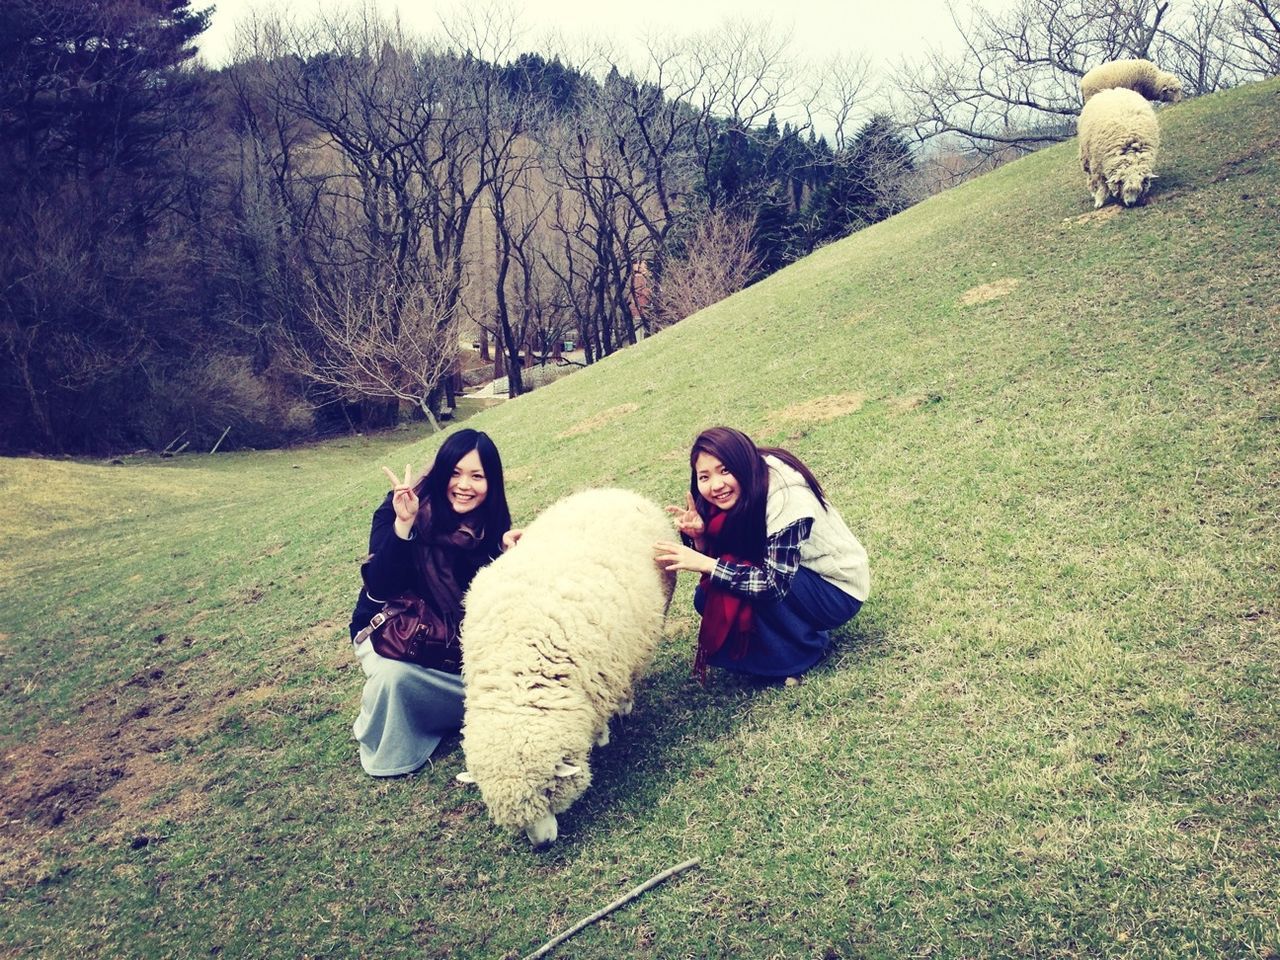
x=1110 y=211
x=108 y=767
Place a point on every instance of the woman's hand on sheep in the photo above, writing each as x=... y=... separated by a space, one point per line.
x=404 y=500
x=676 y=556
x=688 y=521
x=511 y=538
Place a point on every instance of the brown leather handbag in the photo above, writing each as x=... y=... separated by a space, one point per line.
x=408 y=629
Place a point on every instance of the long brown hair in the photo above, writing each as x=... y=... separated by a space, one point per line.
x=745 y=530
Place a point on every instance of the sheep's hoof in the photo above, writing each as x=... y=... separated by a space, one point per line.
x=792 y=682
x=543 y=831
x=602 y=739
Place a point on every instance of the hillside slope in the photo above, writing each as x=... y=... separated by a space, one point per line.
x=1053 y=731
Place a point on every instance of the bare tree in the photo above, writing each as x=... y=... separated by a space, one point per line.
x=745 y=75
x=388 y=171
x=507 y=163
x=1197 y=44
x=601 y=236
x=377 y=333
x=1015 y=86
x=628 y=161
x=517 y=214
x=842 y=92
x=571 y=261
x=1257 y=24
x=719 y=262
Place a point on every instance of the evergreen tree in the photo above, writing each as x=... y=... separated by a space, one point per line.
x=859 y=186
x=97 y=114
x=884 y=156
x=774 y=228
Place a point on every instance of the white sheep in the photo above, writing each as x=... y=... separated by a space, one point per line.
x=556 y=633
x=1141 y=76
x=1119 y=142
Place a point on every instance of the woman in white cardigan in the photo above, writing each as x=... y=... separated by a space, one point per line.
x=779 y=567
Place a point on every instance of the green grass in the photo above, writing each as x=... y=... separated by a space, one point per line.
x=1053 y=731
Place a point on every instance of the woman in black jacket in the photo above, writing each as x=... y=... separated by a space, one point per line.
x=428 y=538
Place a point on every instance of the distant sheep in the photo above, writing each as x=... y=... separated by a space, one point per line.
x=1141 y=76
x=1119 y=142
x=555 y=635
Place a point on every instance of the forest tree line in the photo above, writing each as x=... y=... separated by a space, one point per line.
x=297 y=242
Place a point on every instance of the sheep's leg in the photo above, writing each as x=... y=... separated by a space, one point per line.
x=602 y=739
x=544 y=830
x=625 y=707
x=1099 y=193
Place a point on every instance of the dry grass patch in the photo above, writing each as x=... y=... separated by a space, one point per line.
x=911 y=401
x=860 y=316
x=600 y=419
x=519 y=474
x=820 y=409
x=1108 y=212
x=989 y=291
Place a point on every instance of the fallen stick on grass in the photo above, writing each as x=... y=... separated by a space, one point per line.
x=626 y=898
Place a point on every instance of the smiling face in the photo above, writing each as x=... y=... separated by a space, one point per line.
x=717 y=485
x=468 y=486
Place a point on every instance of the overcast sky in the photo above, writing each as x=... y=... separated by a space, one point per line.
x=820 y=28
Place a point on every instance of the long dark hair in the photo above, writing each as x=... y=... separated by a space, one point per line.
x=493 y=517
x=745 y=530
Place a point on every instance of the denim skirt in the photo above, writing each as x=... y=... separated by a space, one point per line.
x=405 y=711
x=793 y=634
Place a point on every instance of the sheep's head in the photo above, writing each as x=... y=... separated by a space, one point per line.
x=1133 y=186
x=1169 y=88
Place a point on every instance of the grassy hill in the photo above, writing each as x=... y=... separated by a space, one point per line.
x=1054 y=731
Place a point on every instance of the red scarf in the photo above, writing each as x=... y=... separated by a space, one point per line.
x=726 y=616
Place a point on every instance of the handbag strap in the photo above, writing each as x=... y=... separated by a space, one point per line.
x=375 y=622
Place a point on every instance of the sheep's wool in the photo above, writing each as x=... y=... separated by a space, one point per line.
x=1119 y=143
x=556 y=633
x=1141 y=76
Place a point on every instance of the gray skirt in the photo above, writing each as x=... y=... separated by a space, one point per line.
x=405 y=711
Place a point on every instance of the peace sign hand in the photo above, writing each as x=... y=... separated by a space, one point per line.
x=687 y=520
x=404 y=498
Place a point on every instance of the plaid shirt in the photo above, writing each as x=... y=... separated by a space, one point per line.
x=771 y=580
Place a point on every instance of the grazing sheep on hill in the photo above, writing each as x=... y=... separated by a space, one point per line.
x=555 y=635
x=1141 y=76
x=1119 y=141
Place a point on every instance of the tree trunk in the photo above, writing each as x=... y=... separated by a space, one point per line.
x=515 y=383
